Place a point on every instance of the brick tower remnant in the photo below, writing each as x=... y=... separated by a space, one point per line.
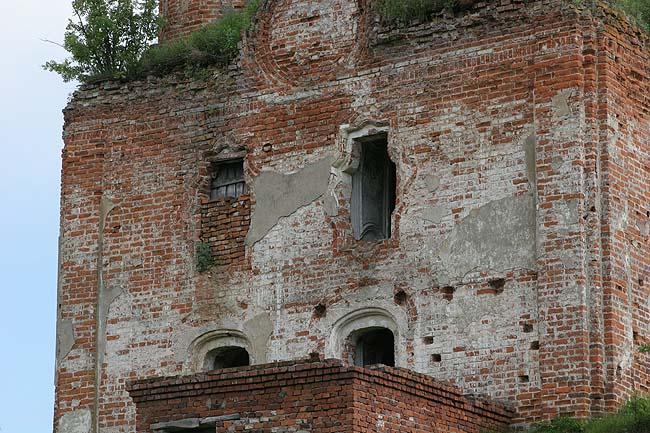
x=398 y=217
x=182 y=17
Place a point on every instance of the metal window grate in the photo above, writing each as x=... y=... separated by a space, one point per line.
x=228 y=180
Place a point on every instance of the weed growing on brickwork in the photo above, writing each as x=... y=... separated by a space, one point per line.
x=644 y=348
x=639 y=10
x=106 y=38
x=204 y=259
x=634 y=417
x=216 y=43
x=406 y=11
x=112 y=39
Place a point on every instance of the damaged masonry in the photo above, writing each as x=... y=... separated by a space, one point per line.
x=356 y=219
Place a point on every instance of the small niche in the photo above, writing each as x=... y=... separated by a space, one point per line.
x=527 y=328
x=436 y=357
x=448 y=292
x=524 y=378
x=497 y=284
x=534 y=345
x=400 y=297
x=428 y=340
x=320 y=311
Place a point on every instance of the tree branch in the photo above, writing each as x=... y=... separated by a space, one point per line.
x=52 y=42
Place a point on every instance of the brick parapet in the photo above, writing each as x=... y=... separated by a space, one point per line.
x=292 y=378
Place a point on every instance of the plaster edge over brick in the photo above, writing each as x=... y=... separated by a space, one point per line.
x=78 y=421
x=104 y=300
x=65 y=337
x=280 y=195
x=506 y=225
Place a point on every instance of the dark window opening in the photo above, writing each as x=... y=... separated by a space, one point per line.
x=376 y=346
x=229 y=357
x=227 y=180
x=373 y=190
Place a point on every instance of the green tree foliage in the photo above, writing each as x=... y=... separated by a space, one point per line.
x=106 y=38
x=112 y=39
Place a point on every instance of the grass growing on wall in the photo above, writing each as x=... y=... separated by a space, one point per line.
x=639 y=10
x=403 y=12
x=204 y=259
x=213 y=44
x=634 y=417
x=111 y=39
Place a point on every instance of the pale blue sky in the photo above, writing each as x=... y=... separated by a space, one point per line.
x=30 y=141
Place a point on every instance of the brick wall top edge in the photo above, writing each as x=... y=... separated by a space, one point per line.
x=419 y=379
x=105 y=90
x=617 y=18
x=397 y=378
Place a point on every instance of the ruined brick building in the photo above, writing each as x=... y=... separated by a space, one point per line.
x=466 y=199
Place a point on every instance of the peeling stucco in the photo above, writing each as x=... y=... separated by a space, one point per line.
x=497 y=237
x=529 y=150
x=64 y=327
x=568 y=214
x=78 y=421
x=561 y=104
x=104 y=299
x=259 y=329
x=280 y=195
x=64 y=339
x=434 y=214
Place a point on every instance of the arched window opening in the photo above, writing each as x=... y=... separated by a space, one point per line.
x=373 y=190
x=375 y=346
x=227 y=357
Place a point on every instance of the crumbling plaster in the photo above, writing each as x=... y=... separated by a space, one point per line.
x=279 y=195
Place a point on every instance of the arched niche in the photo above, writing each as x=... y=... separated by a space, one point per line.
x=220 y=349
x=354 y=327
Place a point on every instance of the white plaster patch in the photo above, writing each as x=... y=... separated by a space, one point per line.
x=78 y=421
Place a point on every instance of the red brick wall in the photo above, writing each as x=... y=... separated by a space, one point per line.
x=224 y=226
x=182 y=17
x=504 y=104
x=626 y=186
x=316 y=397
